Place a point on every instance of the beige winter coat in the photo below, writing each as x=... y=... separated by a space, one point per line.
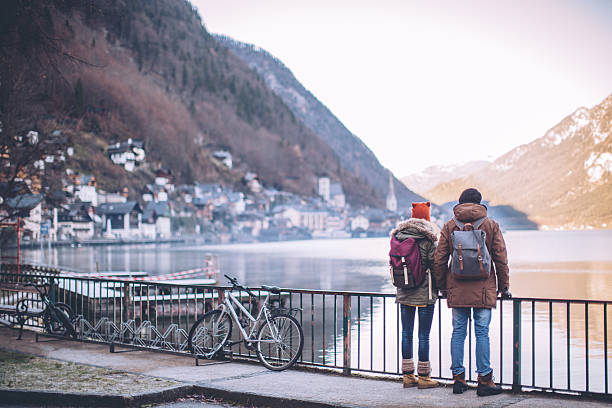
x=426 y=235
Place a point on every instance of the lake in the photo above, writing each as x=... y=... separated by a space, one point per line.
x=554 y=264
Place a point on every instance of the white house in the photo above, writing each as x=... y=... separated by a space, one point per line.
x=252 y=182
x=224 y=157
x=75 y=221
x=121 y=220
x=156 y=220
x=290 y=214
x=82 y=187
x=324 y=188
x=237 y=205
x=335 y=222
x=30 y=208
x=252 y=223
x=164 y=178
x=360 y=221
x=128 y=154
x=313 y=220
x=87 y=194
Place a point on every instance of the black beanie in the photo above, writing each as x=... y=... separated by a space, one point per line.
x=471 y=195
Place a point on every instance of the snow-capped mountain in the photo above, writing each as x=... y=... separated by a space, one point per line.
x=561 y=180
x=430 y=177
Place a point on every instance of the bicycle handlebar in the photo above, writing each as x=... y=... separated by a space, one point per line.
x=235 y=284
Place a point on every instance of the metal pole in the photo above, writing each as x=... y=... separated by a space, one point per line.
x=347 y=335
x=516 y=345
x=18 y=250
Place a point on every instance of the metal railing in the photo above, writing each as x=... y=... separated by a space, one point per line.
x=556 y=345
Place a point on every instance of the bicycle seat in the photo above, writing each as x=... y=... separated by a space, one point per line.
x=271 y=289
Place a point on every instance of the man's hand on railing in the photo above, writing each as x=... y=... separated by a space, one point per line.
x=505 y=294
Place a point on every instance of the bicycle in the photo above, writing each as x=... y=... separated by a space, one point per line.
x=57 y=316
x=276 y=337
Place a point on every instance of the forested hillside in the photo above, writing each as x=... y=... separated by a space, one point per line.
x=354 y=155
x=105 y=71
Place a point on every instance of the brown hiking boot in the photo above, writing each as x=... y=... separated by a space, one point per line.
x=424 y=370
x=410 y=380
x=486 y=386
x=459 y=386
x=425 y=381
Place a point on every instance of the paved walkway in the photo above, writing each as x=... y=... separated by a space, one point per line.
x=253 y=384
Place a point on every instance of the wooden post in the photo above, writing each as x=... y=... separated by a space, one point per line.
x=346 y=332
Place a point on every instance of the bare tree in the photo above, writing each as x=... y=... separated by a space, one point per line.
x=32 y=86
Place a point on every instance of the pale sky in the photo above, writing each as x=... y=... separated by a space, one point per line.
x=435 y=82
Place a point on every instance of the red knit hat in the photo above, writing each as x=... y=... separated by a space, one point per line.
x=421 y=210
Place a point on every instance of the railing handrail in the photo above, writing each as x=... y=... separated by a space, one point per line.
x=297 y=290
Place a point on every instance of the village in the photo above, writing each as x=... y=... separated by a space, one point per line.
x=206 y=212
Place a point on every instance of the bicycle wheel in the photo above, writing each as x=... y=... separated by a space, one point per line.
x=58 y=320
x=208 y=335
x=280 y=342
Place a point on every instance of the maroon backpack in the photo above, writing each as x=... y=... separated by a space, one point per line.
x=405 y=263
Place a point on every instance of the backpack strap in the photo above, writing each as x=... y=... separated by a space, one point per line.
x=405 y=270
x=479 y=222
x=458 y=223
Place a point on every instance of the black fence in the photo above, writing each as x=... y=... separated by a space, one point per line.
x=556 y=345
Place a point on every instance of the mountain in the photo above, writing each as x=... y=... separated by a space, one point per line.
x=355 y=156
x=507 y=216
x=427 y=179
x=561 y=180
x=105 y=71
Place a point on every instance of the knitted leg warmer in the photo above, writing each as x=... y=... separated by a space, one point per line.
x=408 y=366
x=424 y=368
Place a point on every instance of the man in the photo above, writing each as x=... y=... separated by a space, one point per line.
x=477 y=296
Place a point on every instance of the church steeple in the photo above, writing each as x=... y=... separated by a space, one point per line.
x=391 y=200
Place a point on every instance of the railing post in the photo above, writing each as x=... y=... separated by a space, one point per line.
x=516 y=346
x=220 y=297
x=126 y=302
x=346 y=332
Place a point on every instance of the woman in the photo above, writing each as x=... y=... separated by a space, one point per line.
x=421 y=299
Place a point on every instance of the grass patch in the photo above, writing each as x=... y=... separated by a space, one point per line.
x=26 y=372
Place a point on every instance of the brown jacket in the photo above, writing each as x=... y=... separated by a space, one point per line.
x=472 y=293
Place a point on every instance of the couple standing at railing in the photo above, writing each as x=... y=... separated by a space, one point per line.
x=466 y=294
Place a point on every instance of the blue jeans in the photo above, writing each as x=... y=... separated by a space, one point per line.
x=482 y=318
x=425 y=318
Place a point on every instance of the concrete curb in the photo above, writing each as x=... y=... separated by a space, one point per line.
x=55 y=398
x=251 y=398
